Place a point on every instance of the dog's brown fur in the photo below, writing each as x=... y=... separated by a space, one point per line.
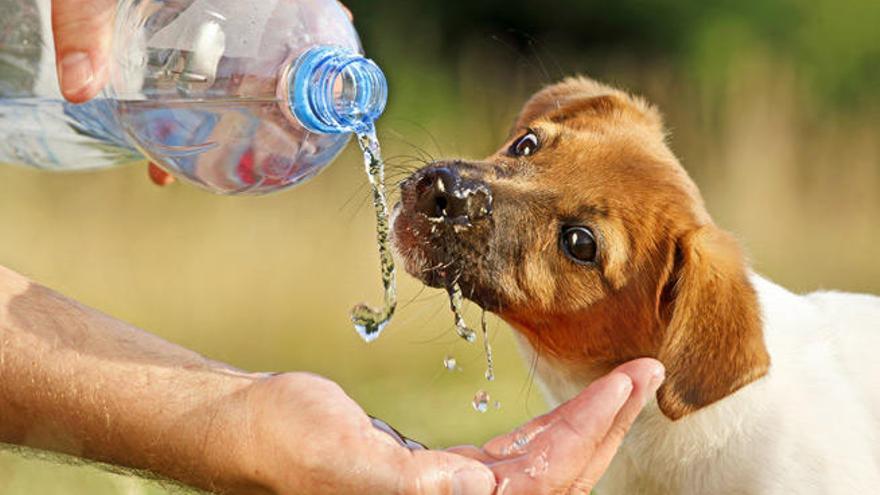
x=668 y=283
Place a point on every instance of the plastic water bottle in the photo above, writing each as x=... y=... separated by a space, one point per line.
x=236 y=96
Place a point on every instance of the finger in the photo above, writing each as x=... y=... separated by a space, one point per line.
x=422 y=471
x=441 y=473
x=590 y=404
x=82 y=31
x=647 y=375
x=472 y=452
x=159 y=177
x=566 y=438
x=396 y=435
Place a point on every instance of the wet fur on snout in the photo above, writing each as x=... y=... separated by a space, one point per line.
x=667 y=283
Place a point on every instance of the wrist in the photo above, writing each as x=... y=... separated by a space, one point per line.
x=271 y=418
x=221 y=449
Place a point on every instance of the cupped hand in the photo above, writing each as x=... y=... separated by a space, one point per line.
x=567 y=450
x=305 y=435
x=82 y=30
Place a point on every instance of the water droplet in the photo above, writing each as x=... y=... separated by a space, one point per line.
x=455 y=300
x=449 y=363
x=490 y=365
x=481 y=401
x=539 y=466
x=370 y=332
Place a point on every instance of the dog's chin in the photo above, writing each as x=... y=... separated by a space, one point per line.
x=406 y=243
x=428 y=253
x=418 y=248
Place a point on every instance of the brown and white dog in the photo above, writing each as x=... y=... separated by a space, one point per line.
x=586 y=235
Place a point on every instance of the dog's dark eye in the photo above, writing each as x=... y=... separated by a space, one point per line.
x=579 y=244
x=526 y=145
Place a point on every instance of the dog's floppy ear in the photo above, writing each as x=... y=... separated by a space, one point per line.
x=713 y=343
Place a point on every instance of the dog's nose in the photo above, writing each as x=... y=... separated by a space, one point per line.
x=436 y=190
x=441 y=192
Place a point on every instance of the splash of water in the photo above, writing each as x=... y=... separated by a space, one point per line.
x=539 y=466
x=369 y=322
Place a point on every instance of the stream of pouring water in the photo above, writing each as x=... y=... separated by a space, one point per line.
x=370 y=322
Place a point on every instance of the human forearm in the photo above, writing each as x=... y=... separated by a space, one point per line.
x=73 y=380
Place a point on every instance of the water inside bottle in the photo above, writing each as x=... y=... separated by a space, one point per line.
x=369 y=322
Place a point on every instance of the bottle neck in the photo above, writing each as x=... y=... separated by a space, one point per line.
x=334 y=91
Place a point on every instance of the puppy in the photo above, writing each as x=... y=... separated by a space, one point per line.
x=585 y=234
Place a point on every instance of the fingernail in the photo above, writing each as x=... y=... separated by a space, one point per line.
x=658 y=374
x=624 y=388
x=470 y=481
x=657 y=377
x=76 y=73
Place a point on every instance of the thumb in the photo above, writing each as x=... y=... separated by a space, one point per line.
x=82 y=31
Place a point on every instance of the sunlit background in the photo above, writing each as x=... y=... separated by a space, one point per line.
x=772 y=105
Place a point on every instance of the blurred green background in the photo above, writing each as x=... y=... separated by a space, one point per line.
x=772 y=106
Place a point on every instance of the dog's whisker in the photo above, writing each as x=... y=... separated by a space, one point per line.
x=359 y=192
x=532 y=43
x=520 y=58
x=427 y=132
x=440 y=266
x=414 y=158
x=526 y=390
x=419 y=149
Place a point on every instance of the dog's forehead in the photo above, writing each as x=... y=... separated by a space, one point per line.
x=607 y=150
x=557 y=96
x=579 y=96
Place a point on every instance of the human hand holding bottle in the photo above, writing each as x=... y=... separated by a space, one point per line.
x=82 y=30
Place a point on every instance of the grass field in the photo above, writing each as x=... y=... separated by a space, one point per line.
x=266 y=283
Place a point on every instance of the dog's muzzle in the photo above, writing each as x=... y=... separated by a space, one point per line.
x=442 y=195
